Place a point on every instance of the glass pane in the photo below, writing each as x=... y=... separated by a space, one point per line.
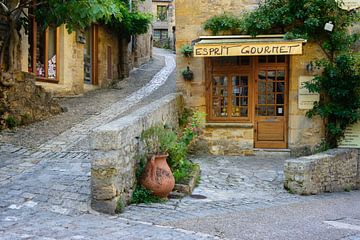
x=40 y=52
x=271 y=59
x=281 y=58
x=261 y=111
x=236 y=80
x=270 y=87
x=270 y=99
x=220 y=93
x=262 y=99
x=261 y=87
x=271 y=75
x=87 y=57
x=243 y=112
x=244 y=80
x=243 y=91
x=279 y=99
x=280 y=87
x=262 y=75
x=280 y=111
x=52 y=52
x=262 y=59
x=270 y=111
x=281 y=75
x=245 y=61
x=244 y=101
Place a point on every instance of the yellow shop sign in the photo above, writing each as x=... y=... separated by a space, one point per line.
x=247 y=49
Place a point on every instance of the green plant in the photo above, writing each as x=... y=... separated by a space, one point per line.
x=223 y=23
x=120 y=206
x=143 y=195
x=12 y=121
x=187 y=74
x=158 y=139
x=186 y=50
x=339 y=86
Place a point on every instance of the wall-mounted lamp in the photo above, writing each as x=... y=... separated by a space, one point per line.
x=310 y=67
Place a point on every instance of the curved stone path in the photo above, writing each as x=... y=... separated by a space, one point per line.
x=73 y=136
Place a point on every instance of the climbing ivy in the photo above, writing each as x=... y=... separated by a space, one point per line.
x=339 y=83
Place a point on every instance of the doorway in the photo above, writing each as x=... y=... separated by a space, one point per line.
x=271 y=102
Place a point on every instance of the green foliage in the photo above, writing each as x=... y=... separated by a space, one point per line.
x=187 y=74
x=159 y=139
x=120 y=206
x=12 y=121
x=223 y=23
x=143 y=195
x=80 y=14
x=339 y=83
x=186 y=50
x=340 y=87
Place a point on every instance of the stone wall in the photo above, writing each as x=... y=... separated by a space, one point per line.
x=331 y=171
x=115 y=147
x=23 y=102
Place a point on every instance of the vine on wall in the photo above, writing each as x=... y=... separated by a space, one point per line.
x=339 y=83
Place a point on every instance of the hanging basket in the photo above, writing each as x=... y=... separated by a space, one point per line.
x=187 y=74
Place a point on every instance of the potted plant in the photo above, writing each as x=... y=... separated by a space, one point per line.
x=186 y=50
x=157 y=176
x=187 y=74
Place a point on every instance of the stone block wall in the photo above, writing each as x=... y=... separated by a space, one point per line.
x=331 y=171
x=115 y=147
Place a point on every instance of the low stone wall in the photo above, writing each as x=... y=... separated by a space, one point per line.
x=115 y=147
x=330 y=171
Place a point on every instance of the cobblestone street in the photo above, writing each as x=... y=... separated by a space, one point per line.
x=45 y=182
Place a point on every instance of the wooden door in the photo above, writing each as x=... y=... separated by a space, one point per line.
x=271 y=100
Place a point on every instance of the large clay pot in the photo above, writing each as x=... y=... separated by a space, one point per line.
x=157 y=176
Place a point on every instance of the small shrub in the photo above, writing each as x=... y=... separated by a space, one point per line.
x=120 y=206
x=12 y=121
x=143 y=195
x=186 y=50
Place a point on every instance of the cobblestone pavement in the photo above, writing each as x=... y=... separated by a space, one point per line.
x=45 y=184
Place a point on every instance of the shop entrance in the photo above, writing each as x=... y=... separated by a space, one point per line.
x=250 y=90
x=271 y=99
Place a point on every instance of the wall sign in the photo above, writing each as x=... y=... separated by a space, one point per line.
x=306 y=99
x=349 y=4
x=247 y=49
x=352 y=137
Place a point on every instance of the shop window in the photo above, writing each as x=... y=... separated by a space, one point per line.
x=229 y=97
x=43 y=51
x=162 y=13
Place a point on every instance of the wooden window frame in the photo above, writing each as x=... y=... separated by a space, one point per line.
x=229 y=72
x=57 y=53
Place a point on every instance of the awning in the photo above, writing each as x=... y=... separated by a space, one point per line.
x=244 y=45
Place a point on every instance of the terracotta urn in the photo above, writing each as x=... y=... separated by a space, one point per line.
x=157 y=176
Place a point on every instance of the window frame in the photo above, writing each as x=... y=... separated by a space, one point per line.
x=229 y=71
x=33 y=42
x=162 y=12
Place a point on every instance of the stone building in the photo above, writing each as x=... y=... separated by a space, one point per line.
x=164 y=23
x=70 y=64
x=250 y=88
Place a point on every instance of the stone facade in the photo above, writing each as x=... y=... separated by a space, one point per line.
x=331 y=171
x=165 y=25
x=238 y=138
x=115 y=147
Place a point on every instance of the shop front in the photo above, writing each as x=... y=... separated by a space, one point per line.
x=250 y=88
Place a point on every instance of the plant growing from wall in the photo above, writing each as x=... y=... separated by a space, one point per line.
x=186 y=51
x=306 y=19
